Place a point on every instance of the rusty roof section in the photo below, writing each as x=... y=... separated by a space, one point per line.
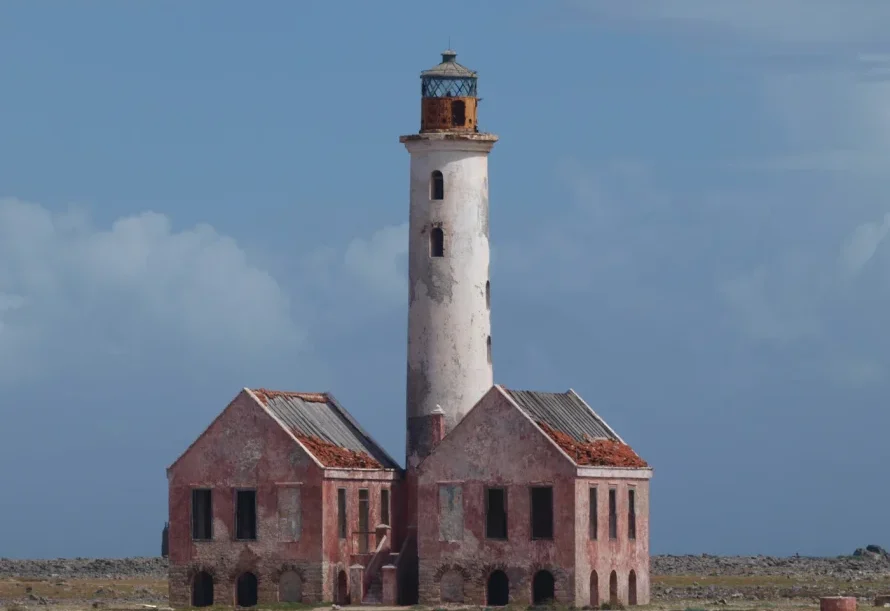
x=326 y=429
x=576 y=428
x=449 y=68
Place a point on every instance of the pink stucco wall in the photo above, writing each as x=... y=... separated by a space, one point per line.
x=496 y=445
x=245 y=448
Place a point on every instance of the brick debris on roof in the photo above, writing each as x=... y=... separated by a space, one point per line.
x=331 y=455
x=595 y=452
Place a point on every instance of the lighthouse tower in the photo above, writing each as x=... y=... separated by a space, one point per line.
x=449 y=321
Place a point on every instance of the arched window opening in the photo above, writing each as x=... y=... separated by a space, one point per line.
x=594 y=590
x=488 y=348
x=290 y=587
x=451 y=587
x=437 y=185
x=632 y=588
x=342 y=589
x=498 y=594
x=543 y=588
x=246 y=590
x=202 y=590
x=437 y=242
x=458 y=113
x=488 y=294
x=613 y=588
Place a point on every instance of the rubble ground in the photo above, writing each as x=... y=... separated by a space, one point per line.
x=679 y=583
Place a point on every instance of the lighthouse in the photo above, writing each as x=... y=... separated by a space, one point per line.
x=449 y=308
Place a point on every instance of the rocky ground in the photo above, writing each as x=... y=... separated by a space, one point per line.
x=678 y=582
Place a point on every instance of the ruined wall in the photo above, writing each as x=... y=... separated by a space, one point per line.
x=597 y=558
x=448 y=316
x=340 y=553
x=245 y=448
x=498 y=446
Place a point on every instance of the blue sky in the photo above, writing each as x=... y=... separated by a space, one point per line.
x=689 y=201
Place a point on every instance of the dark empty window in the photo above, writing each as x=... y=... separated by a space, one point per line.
x=542 y=513
x=384 y=506
x=488 y=348
x=613 y=515
x=458 y=113
x=245 y=514
x=437 y=242
x=496 y=513
x=437 y=185
x=594 y=521
x=341 y=512
x=202 y=515
x=631 y=514
x=488 y=295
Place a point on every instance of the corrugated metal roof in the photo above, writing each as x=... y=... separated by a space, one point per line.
x=449 y=68
x=326 y=420
x=564 y=412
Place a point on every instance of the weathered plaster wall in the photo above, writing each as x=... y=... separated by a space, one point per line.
x=448 y=316
x=245 y=448
x=604 y=555
x=497 y=446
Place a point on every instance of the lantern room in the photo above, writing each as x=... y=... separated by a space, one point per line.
x=449 y=99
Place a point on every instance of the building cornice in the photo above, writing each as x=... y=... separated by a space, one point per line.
x=614 y=473
x=449 y=141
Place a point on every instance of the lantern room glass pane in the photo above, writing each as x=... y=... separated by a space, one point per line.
x=443 y=87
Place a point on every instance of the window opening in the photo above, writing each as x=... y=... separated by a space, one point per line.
x=543 y=588
x=594 y=520
x=341 y=512
x=245 y=515
x=246 y=590
x=437 y=242
x=437 y=185
x=458 y=113
x=363 y=515
x=202 y=590
x=542 y=512
x=202 y=515
x=631 y=514
x=384 y=506
x=613 y=515
x=498 y=594
x=496 y=513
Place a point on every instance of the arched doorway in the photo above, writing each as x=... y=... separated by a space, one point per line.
x=451 y=587
x=498 y=594
x=342 y=588
x=543 y=588
x=613 y=588
x=246 y=590
x=202 y=590
x=290 y=587
x=594 y=589
x=632 y=588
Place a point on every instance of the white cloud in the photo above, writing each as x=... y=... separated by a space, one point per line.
x=72 y=290
x=68 y=286
x=377 y=262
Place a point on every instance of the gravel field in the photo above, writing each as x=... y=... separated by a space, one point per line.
x=725 y=581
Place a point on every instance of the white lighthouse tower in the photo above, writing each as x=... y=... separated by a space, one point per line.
x=449 y=321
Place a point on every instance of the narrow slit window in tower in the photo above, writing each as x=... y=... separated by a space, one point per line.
x=437 y=185
x=613 y=515
x=488 y=294
x=437 y=242
x=488 y=348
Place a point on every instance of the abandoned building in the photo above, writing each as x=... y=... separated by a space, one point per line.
x=506 y=496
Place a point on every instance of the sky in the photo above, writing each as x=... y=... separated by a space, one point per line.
x=688 y=207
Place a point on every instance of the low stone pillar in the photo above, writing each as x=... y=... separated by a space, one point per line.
x=383 y=530
x=837 y=603
x=882 y=600
x=356 y=584
x=390 y=586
